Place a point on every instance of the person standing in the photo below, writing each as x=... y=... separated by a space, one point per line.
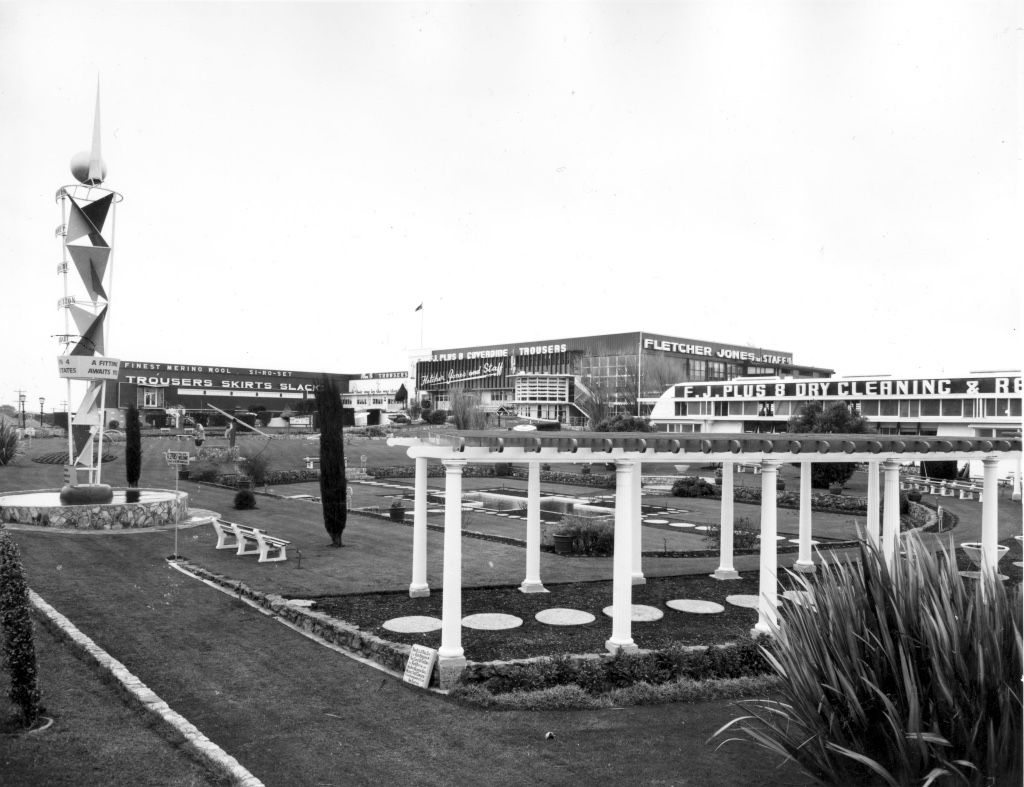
x=229 y=433
x=200 y=434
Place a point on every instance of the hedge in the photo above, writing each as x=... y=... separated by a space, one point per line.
x=19 y=644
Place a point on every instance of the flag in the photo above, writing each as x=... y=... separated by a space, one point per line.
x=418 y=308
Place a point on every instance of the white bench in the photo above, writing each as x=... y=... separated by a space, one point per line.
x=742 y=467
x=311 y=462
x=247 y=540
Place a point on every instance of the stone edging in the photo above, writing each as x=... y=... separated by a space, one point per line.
x=173 y=725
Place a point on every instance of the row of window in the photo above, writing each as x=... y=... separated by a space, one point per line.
x=869 y=408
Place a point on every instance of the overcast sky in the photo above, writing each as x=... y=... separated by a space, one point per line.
x=839 y=180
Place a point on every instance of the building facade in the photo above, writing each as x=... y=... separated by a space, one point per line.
x=986 y=405
x=576 y=380
x=165 y=393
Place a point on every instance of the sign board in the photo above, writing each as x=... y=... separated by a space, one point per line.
x=179 y=458
x=87 y=367
x=420 y=666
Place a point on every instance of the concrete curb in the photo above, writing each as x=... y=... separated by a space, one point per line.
x=174 y=725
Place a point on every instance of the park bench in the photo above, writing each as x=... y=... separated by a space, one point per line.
x=247 y=540
x=312 y=462
x=742 y=467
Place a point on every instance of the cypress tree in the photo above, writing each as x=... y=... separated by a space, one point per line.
x=19 y=645
x=330 y=412
x=132 y=447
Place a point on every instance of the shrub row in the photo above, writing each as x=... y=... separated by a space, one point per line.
x=16 y=625
x=596 y=675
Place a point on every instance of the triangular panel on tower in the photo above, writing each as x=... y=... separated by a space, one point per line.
x=80 y=225
x=91 y=262
x=91 y=342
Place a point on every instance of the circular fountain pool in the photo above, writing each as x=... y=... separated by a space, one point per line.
x=43 y=507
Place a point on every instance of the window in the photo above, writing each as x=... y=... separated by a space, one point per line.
x=152 y=397
x=909 y=408
x=869 y=407
x=716 y=370
x=888 y=407
x=698 y=370
x=766 y=409
x=721 y=408
x=929 y=407
x=952 y=407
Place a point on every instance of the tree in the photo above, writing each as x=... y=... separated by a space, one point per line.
x=333 y=487
x=814 y=418
x=132 y=447
x=401 y=395
x=623 y=423
x=465 y=409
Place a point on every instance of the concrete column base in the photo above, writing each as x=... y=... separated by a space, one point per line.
x=639 y=579
x=532 y=587
x=419 y=591
x=449 y=671
x=729 y=573
x=804 y=568
x=615 y=647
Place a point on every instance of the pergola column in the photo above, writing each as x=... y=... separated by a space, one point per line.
x=768 y=584
x=622 y=584
x=873 y=505
x=451 y=658
x=1016 y=495
x=419 y=587
x=725 y=569
x=990 y=514
x=805 y=562
x=891 y=510
x=532 y=583
x=637 y=514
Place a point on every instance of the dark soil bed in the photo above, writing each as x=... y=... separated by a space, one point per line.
x=370 y=611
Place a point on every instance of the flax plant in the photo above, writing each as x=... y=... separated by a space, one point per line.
x=903 y=677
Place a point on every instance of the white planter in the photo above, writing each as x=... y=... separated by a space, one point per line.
x=973 y=551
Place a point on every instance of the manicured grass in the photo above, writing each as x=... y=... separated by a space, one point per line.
x=95 y=739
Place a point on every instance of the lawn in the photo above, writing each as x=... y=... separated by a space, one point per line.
x=94 y=739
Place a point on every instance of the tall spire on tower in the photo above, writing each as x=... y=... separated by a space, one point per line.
x=96 y=173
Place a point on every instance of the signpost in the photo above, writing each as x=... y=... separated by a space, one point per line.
x=420 y=666
x=177 y=460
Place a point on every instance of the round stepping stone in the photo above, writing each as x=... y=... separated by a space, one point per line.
x=300 y=602
x=1018 y=564
x=435 y=510
x=797 y=541
x=491 y=621
x=501 y=513
x=695 y=605
x=560 y=616
x=682 y=524
x=777 y=538
x=748 y=601
x=640 y=613
x=702 y=528
x=655 y=521
x=413 y=624
x=798 y=597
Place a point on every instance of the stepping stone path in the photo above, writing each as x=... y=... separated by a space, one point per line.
x=702 y=528
x=682 y=524
x=413 y=624
x=641 y=613
x=798 y=597
x=655 y=521
x=748 y=601
x=560 y=616
x=695 y=605
x=491 y=621
x=1018 y=564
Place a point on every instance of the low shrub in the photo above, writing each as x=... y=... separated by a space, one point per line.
x=585 y=470
x=914 y=496
x=244 y=500
x=204 y=471
x=597 y=676
x=744 y=535
x=375 y=431
x=835 y=489
x=397 y=511
x=590 y=536
x=502 y=469
x=256 y=465
x=902 y=675
x=114 y=424
x=9 y=447
x=689 y=486
x=436 y=417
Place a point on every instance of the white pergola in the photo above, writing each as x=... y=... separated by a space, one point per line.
x=630 y=451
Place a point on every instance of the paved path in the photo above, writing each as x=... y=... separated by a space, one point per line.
x=295 y=713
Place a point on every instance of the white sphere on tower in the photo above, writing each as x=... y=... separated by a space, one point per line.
x=80 y=169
